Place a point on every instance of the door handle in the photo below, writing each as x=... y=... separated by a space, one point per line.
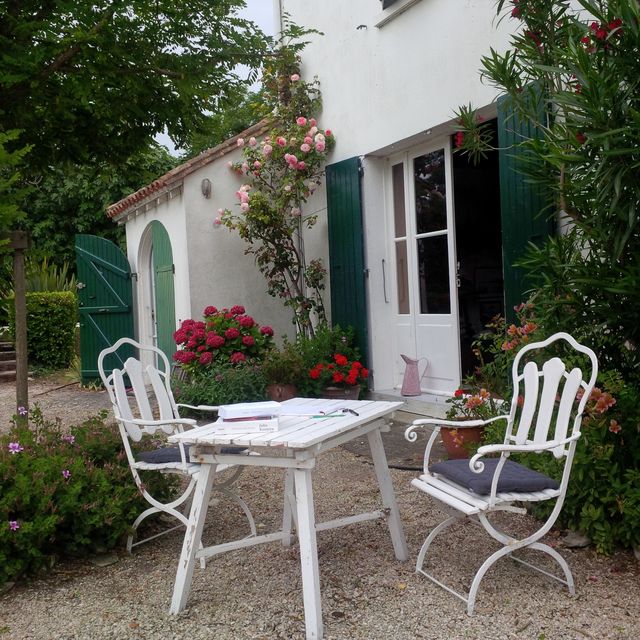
x=384 y=281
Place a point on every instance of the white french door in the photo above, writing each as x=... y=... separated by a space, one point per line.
x=423 y=248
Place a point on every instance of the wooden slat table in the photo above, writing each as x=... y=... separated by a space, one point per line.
x=294 y=447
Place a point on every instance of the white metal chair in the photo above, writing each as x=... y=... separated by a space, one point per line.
x=554 y=399
x=140 y=420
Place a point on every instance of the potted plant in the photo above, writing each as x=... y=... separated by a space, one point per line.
x=282 y=369
x=467 y=406
x=339 y=377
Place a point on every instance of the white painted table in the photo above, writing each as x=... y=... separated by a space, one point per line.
x=294 y=447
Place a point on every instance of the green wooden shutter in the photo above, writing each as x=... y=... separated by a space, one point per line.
x=346 y=249
x=163 y=272
x=105 y=302
x=522 y=204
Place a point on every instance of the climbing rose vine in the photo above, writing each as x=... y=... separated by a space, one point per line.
x=280 y=172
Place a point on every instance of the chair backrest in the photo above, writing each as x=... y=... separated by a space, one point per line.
x=550 y=395
x=151 y=389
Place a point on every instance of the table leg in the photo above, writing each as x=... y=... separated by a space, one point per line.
x=192 y=537
x=289 y=504
x=388 y=495
x=308 y=554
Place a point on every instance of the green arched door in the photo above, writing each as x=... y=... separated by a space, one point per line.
x=163 y=290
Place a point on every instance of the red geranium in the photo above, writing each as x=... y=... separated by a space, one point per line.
x=339 y=372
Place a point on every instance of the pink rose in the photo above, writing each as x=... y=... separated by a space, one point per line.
x=305 y=148
x=267 y=149
x=320 y=147
x=252 y=142
x=308 y=140
x=257 y=164
x=240 y=142
x=328 y=132
x=281 y=141
x=301 y=121
x=301 y=165
x=313 y=122
x=295 y=77
x=244 y=206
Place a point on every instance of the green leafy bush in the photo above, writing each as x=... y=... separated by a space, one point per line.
x=65 y=492
x=221 y=384
x=51 y=325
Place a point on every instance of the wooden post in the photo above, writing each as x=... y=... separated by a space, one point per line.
x=19 y=243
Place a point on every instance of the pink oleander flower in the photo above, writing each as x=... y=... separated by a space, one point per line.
x=15 y=447
x=305 y=148
x=14 y=525
x=295 y=77
x=252 y=142
x=301 y=121
x=240 y=142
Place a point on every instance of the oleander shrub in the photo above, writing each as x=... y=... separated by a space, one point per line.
x=51 y=325
x=65 y=492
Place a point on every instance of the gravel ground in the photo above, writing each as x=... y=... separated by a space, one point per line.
x=366 y=592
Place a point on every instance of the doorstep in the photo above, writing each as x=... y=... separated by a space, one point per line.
x=425 y=405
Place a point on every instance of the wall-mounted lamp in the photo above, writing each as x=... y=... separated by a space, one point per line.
x=205 y=187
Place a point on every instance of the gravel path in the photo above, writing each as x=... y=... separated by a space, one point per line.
x=367 y=594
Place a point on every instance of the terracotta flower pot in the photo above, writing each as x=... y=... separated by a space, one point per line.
x=281 y=392
x=457 y=441
x=342 y=393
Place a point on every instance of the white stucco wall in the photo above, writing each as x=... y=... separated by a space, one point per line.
x=219 y=271
x=381 y=85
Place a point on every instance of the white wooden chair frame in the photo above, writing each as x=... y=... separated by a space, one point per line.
x=538 y=404
x=169 y=422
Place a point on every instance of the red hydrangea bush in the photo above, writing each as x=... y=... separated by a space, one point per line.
x=225 y=336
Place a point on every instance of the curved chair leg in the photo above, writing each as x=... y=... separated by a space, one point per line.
x=486 y=565
x=243 y=506
x=430 y=538
x=559 y=559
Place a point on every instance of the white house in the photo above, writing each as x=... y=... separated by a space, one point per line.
x=182 y=261
x=421 y=243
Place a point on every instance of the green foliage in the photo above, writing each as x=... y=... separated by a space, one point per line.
x=283 y=366
x=221 y=384
x=64 y=493
x=71 y=198
x=282 y=171
x=12 y=191
x=51 y=324
x=46 y=276
x=87 y=81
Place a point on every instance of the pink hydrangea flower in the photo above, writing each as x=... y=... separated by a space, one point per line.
x=248 y=341
x=205 y=358
x=246 y=322
x=266 y=331
x=210 y=310
x=231 y=333
x=301 y=121
x=216 y=341
x=237 y=309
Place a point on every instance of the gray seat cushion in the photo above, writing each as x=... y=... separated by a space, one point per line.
x=513 y=478
x=172 y=454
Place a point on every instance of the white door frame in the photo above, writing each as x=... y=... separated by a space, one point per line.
x=431 y=336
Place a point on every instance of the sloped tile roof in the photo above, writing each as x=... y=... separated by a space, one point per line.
x=177 y=175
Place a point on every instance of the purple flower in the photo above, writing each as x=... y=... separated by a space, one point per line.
x=66 y=474
x=14 y=525
x=69 y=438
x=15 y=447
x=22 y=411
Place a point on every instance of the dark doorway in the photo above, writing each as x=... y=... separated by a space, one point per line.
x=478 y=247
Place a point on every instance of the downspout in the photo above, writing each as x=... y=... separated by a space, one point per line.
x=277 y=17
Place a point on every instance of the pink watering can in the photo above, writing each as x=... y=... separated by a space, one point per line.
x=412 y=377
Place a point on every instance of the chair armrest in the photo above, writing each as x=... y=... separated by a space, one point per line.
x=411 y=436
x=190 y=422
x=477 y=466
x=200 y=407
